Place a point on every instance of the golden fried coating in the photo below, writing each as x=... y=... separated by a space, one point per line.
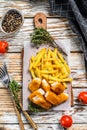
x=57 y=87
x=35 y=84
x=40 y=91
x=45 y=85
x=62 y=97
x=51 y=97
x=39 y=100
x=56 y=99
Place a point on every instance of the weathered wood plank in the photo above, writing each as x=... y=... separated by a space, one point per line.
x=28 y=8
x=52 y=117
x=42 y=127
x=78 y=127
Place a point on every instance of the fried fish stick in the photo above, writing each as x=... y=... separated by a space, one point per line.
x=35 y=84
x=62 y=97
x=45 y=85
x=40 y=101
x=51 y=97
x=57 y=87
x=37 y=92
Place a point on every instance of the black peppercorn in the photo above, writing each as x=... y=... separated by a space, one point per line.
x=12 y=21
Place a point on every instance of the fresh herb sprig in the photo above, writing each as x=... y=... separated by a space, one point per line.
x=35 y=108
x=42 y=36
x=14 y=88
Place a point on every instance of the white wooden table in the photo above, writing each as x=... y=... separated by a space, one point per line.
x=59 y=28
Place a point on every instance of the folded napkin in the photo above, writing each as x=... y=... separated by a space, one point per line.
x=76 y=12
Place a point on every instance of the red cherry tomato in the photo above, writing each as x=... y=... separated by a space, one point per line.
x=66 y=121
x=3 y=46
x=83 y=97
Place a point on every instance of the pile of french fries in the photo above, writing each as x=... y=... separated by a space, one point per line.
x=49 y=64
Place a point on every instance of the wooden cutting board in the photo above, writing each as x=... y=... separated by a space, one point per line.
x=40 y=21
x=28 y=52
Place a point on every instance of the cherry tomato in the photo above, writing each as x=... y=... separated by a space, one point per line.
x=66 y=121
x=83 y=97
x=3 y=46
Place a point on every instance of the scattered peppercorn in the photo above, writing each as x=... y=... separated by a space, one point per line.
x=11 y=21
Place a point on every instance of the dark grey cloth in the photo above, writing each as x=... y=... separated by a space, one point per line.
x=76 y=12
x=61 y=7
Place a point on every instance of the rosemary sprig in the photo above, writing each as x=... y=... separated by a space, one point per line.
x=14 y=88
x=40 y=36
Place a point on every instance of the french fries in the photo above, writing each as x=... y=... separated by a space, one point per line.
x=50 y=65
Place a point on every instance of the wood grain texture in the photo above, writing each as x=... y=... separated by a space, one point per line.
x=42 y=127
x=28 y=7
x=59 y=28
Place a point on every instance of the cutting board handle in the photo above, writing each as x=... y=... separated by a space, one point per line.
x=40 y=20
